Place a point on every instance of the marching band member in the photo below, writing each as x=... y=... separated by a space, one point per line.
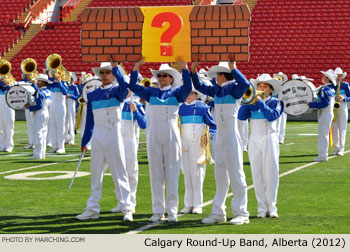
x=71 y=98
x=228 y=153
x=195 y=115
x=340 y=123
x=29 y=117
x=130 y=133
x=263 y=145
x=40 y=116
x=59 y=90
x=163 y=136
x=103 y=127
x=282 y=120
x=325 y=105
x=7 y=118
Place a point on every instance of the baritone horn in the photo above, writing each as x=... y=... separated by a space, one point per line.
x=206 y=157
x=28 y=66
x=54 y=63
x=249 y=96
x=5 y=71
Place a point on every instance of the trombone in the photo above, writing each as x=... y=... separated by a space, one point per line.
x=54 y=63
x=5 y=71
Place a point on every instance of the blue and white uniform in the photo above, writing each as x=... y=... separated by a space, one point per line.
x=40 y=121
x=263 y=150
x=130 y=132
x=57 y=113
x=325 y=106
x=228 y=153
x=103 y=128
x=30 y=121
x=194 y=118
x=7 y=120
x=340 y=124
x=74 y=95
x=163 y=140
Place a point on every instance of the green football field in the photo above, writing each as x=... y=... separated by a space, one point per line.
x=313 y=197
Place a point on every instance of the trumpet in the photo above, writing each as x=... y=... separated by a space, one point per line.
x=249 y=96
x=206 y=157
x=5 y=71
x=28 y=66
x=54 y=63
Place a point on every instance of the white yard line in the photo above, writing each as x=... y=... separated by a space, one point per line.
x=289 y=144
x=151 y=225
x=42 y=165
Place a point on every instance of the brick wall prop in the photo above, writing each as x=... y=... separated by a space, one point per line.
x=216 y=32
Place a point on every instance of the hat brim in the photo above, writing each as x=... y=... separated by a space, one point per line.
x=44 y=80
x=172 y=72
x=284 y=77
x=97 y=70
x=276 y=85
x=329 y=78
x=217 y=69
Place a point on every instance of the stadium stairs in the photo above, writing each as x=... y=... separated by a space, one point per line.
x=74 y=15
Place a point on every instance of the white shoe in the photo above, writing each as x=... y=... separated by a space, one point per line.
x=156 y=217
x=214 y=218
x=239 y=220
x=52 y=151
x=49 y=145
x=60 y=151
x=127 y=215
x=340 y=153
x=117 y=209
x=8 y=150
x=172 y=218
x=261 y=215
x=186 y=210
x=281 y=142
x=87 y=215
x=197 y=210
x=245 y=149
x=29 y=146
x=273 y=215
x=320 y=159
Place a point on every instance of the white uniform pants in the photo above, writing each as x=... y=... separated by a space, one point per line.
x=324 y=123
x=229 y=168
x=7 y=120
x=70 y=121
x=57 y=121
x=339 y=128
x=243 y=132
x=264 y=161
x=283 y=125
x=194 y=173
x=107 y=148
x=164 y=155
x=40 y=123
x=132 y=167
x=30 y=125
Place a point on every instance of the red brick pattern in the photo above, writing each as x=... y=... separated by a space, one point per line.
x=217 y=32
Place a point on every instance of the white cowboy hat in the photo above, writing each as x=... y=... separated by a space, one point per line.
x=331 y=75
x=165 y=68
x=283 y=77
x=338 y=70
x=44 y=78
x=221 y=68
x=203 y=73
x=104 y=65
x=276 y=85
x=74 y=77
x=200 y=95
x=297 y=77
